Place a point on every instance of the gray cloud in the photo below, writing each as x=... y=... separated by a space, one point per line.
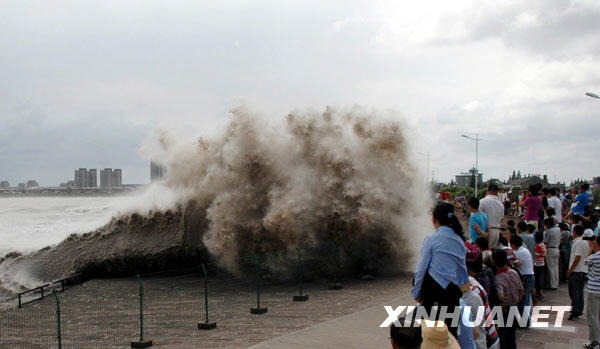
x=84 y=82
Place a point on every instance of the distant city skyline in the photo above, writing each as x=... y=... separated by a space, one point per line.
x=82 y=178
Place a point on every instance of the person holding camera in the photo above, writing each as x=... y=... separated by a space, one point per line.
x=577 y=271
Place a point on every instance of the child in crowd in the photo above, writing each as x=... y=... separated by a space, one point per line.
x=528 y=239
x=486 y=254
x=531 y=230
x=539 y=266
x=510 y=291
x=551 y=213
x=478 y=220
x=510 y=253
x=510 y=226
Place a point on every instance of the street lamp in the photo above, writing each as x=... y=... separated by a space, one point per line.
x=476 y=139
x=592 y=94
x=427 y=155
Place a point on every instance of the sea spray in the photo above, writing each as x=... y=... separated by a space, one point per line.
x=340 y=184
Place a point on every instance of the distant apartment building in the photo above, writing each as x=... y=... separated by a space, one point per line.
x=111 y=178
x=32 y=184
x=80 y=178
x=92 y=178
x=4 y=185
x=21 y=186
x=117 y=177
x=85 y=178
x=157 y=171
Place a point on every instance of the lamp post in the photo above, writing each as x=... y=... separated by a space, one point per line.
x=592 y=94
x=476 y=139
x=427 y=155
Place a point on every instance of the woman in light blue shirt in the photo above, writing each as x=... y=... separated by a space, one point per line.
x=441 y=271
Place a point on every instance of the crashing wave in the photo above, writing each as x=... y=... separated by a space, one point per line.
x=339 y=184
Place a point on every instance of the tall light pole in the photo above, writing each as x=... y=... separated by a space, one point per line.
x=476 y=139
x=427 y=155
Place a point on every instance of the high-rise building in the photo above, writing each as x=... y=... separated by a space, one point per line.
x=105 y=177
x=157 y=171
x=81 y=178
x=117 y=177
x=4 y=185
x=111 y=178
x=92 y=178
x=86 y=178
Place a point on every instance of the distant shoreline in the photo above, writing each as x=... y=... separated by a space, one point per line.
x=36 y=192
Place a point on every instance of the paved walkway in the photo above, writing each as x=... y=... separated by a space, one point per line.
x=361 y=330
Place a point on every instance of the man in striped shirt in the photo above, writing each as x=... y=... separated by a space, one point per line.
x=593 y=292
x=491 y=335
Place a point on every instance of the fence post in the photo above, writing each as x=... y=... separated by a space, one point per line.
x=206 y=325
x=19 y=300
x=335 y=285
x=258 y=309
x=58 y=319
x=300 y=297
x=141 y=343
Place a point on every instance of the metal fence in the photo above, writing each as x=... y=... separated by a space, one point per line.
x=134 y=311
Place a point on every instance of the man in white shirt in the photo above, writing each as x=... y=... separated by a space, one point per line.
x=525 y=265
x=494 y=209
x=555 y=203
x=577 y=271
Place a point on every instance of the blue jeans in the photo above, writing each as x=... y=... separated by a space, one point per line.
x=528 y=285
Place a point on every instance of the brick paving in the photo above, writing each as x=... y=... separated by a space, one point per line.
x=104 y=313
x=573 y=334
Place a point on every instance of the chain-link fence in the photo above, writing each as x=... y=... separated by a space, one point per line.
x=165 y=307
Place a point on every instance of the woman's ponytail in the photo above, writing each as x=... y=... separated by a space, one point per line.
x=444 y=214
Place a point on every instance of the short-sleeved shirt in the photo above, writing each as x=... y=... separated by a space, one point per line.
x=580 y=248
x=529 y=242
x=524 y=256
x=593 y=263
x=480 y=219
x=511 y=258
x=565 y=240
x=540 y=255
x=552 y=237
x=509 y=286
x=555 y=203
x=533 y=205
x=494 y=209
x=491 y=334
x=582 y=201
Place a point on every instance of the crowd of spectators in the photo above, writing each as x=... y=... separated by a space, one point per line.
x=552 y=237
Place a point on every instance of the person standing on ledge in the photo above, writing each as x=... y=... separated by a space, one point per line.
x=441 y=272
x=494 y=210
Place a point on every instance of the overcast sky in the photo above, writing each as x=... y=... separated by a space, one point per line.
x=82 y=83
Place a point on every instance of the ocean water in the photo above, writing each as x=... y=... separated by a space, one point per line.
x=31 y=223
